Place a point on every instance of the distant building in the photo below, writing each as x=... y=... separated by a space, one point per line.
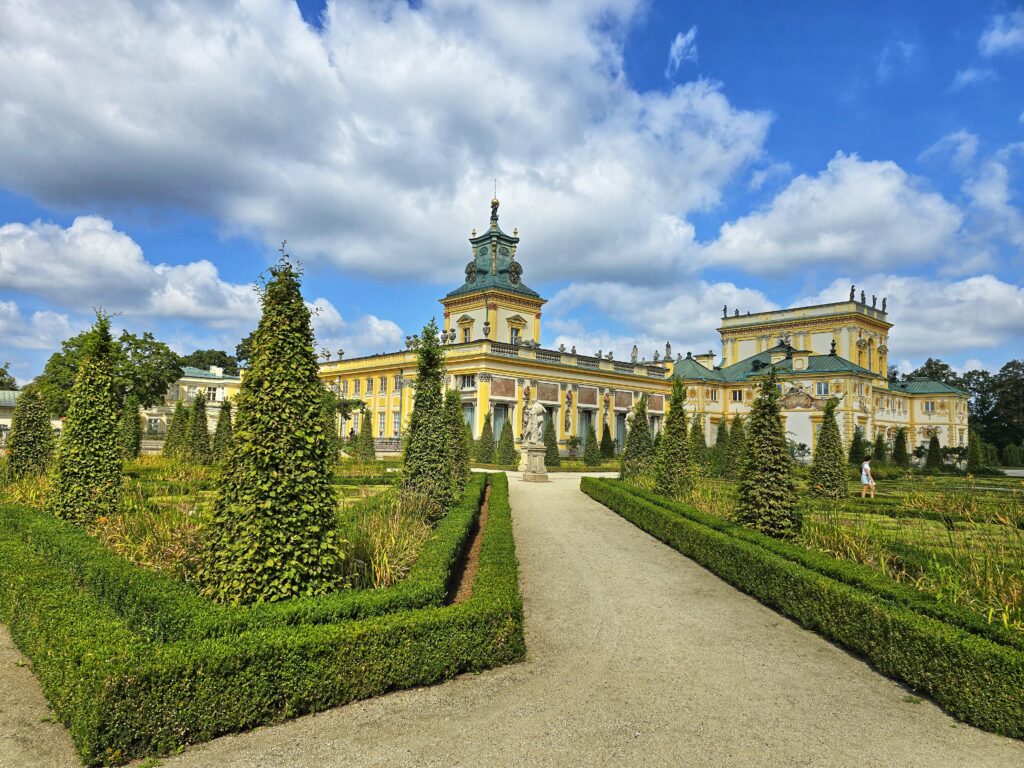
x=8 y=399
x=492 y=332
x=214 y=383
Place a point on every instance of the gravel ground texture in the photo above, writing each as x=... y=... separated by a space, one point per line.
x=637 y=657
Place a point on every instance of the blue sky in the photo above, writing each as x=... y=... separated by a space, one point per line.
x=660 y=159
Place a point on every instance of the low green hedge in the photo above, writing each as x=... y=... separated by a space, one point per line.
x=124 y=695
x=161 y=607
x=974 y=678
x=391 y=478
x=858 y=575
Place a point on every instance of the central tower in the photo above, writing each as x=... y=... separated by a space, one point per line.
x=493 y=302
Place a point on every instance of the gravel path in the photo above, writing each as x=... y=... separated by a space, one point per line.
x=637 y=656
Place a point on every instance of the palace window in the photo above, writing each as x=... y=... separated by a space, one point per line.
x=383 y=384
x=467 y=381
x=821 y=388
x=466 y=331
x=343 y=386
x=355 y=387
x=369 y=386
x=714 y=395
x=396 y=424
x=929 y=406
x=380 y=424
x=737 y=395
x=514 y=335
x=355 y=422
x=211 y=394
x=395 y=382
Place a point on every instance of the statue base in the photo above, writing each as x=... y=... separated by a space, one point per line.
x=532 y=464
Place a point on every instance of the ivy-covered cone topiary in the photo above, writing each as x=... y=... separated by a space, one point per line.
x=87 y=475
x=638 y=455
x=506 y=453
x=485 y=446
x=859 y=448
x=767 y=491
x=273 y=535
x=828 y=471
x=177 y=430
x=223 y=434
x=130 y=429
x=591 y=449
x=934 y=458
x=197 y=439
x=880 y=452
x=975 y=457
x=552 y=458
x=672 y=464
x=737 y=458
x=363 y=449
x=607 y=444
x=428 y=445
x=30 y=445
x=900 y=454
x=698 y=445
x=458 y=460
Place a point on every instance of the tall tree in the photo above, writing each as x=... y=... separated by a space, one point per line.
x=177 y=430
x=880 y=452
x=31 y=442
x=859 y=448
x=900 y=454
x=274 y=531
x=243 y=350
x=719 y=453
x=485 y=448
x=552 y=458
x=506 y=452
x=828 y=470
x=767 y=492
x=934 y=459
x=975 y=454
x=1009 y=408
x=7 y=381
x=591 y=448
x=204 y=358
x=698 y=445
x=672 y=464
x=428 y=443
x=607 y=443
x=197 y=442
x=737 y=448
x=223 y=434
x=936 y=370
x=130 y=428
x=364 y=449
x=455 y=423
x=87 y=476
x=638 y=455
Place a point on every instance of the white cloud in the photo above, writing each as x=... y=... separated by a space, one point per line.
x=683 y=48
x=972 y=76
x=898 y=52
x=938 y=318
x=762 y=175
x=993 y=214
x=961 y=145
x=1005 y=34
x=865 y=213
x=370 y=144
x=45 y=329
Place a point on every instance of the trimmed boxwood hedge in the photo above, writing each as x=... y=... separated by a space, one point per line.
x=975 y=678
x=161 y=607
x=125 y=693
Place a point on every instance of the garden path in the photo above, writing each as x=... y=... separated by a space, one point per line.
x=637 y=656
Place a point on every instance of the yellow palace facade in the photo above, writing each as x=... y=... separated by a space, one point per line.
x=492 y=333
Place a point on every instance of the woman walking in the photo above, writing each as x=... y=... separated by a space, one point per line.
x=866 y=480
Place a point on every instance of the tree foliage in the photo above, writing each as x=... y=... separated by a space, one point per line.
x=129 y=430
x=900 y=454
x=274 y=532
x=607 y=443
x=87 y=474
x=934 y=457
x=591 y=448
x=363 y=449
x=767 y=491
x=975 y=455
x=828 y=470
x=698 y=446
x=223 y=434
x=204 y=358
x=552 y=457
x=485 y=446
x=737 y=448
x=197 y=440
x=31 y=442
x=638 y=455
x=460 y=443
x=506 y=452
x=6 y=379
x=672 y=462
x=177 y=431
x=880 y=452
x=859 y=448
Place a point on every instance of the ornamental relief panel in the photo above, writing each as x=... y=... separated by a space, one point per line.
x=798 y=398
x=588 y=396
x=503 y=387
x=623 y=399
x=547 y=392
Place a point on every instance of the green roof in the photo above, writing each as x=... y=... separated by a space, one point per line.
x=923 y=386
x=752 y=367
x=198 y=373
x=7 y=398
x=494 y=265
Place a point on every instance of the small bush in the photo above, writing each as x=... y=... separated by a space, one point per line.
x=31 y=442
x=506 y=453
x=552 y=457
x=485 y=447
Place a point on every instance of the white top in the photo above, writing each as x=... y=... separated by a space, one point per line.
x=865 y=471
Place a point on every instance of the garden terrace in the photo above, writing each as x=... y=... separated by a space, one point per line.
x=134 y=664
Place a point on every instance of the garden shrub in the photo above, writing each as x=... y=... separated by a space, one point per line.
x=934 y=458
x=197 y=439
x=129 y=430
x=859 y=448
x=880 y=452
x=552 y=457
x=485 y=446
x=607 y=444
x=698 y=453
x=737 y=448
x=900 y=454
x=973 y=677
x=363 y=449
x=975 y=460
x=177 y=431
x=671 y=464
x=273 y=534
x=31 y=442
x=87 y=474
x=506 y=453
x=828 y=470
x=223 y=434
x=637 y=461
x=458 y=447
x=591 y=450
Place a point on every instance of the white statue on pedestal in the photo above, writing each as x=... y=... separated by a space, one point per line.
x=533 y=423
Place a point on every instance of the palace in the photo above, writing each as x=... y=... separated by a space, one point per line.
x=492 y=334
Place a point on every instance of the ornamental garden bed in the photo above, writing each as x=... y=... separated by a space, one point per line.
x=134 y=663
x=971 y=667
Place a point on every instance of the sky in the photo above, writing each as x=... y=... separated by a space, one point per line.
x=660 y=160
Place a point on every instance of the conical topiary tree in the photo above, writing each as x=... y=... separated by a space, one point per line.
x=506 y=453
x=428 y=443
x=87 y=474
x=458 y=460
x=767 y=491
x=698 y=445
x=900 y=454
x=552 y=458
x=174 y=440
x=934 y=458
x=591 y=449
x=485 y=447
x=638 y=454
x=881 y=450
x=223 y=434
x=975 y=457
x=130 y=428
x=364 y=449
x=828 y=471
x=672 y=463
x=607 y=443
x=737 y=448
x=719 y=453
x=197 y=441
x=31 y=442
x=858 y=447
x=273 y=534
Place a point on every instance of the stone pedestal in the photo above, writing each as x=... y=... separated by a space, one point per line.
x=532 y=464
